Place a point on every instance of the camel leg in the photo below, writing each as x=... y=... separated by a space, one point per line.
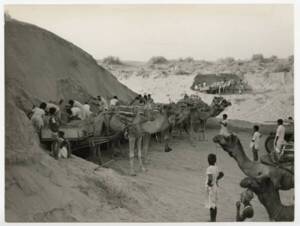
x=192 y=132
x=166 y=140
x=204 y=130
x=131 y=155
x=139 y=146
x=146 y=144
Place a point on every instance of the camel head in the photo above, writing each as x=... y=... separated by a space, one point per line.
x=231 y=143
x=258 y=186
x=219 y=104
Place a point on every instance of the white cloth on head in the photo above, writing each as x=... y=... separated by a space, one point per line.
x=211 y=191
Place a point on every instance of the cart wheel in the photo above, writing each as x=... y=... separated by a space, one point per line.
x=269 y=143
x=54 y=149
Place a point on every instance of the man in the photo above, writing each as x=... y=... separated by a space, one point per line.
x=247 y=209
x=114 y=101
x=51 y=104
x=38 y=114
x=80 y=110
x=279 y=139
x=74 y=113
x=135 y=101
x=150 y=100
x=103 y=105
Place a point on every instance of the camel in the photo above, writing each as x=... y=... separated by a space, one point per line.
x=270 y=198
x=281 y=178
x=193 y=115
x=139 y=132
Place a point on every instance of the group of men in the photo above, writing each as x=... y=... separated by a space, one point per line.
x=75 y=110
x=142 y=100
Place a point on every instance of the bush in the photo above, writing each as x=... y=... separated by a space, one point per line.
x=189 y=59
x=112 y=60
x=157 y=60
x=258 y=57
x=282 y=68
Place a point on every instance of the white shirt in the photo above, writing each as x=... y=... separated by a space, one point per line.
x=76 y=111
x=77 y=104
x=114 y=101
x=280 y=132
x=224 y=131
x=104 y=102
x=38 y=112
x=255 y=140
x=214 y=171
x=86 y=110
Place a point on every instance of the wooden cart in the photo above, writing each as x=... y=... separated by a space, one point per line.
x=77 y=139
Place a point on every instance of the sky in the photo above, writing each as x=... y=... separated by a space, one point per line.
x=138 y=32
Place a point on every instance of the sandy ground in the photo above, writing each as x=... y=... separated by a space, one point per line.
x=258 y=106
x=176 y=180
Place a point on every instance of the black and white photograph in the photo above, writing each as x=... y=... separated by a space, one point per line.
x=139 y=112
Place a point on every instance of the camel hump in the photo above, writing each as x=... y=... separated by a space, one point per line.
x=286 y=165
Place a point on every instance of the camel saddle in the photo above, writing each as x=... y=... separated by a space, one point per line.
x=286 y=163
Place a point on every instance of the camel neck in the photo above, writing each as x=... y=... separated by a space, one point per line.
x=240 y=155
x=213 y=112
x=272 y=203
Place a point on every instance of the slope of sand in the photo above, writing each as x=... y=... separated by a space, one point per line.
x=46 y=67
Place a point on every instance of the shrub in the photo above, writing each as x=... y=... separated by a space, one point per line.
x=258 y=57
x=112 y=60
x=157 y=60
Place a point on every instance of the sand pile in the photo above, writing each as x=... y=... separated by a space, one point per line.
x=42 y=66
x=49 y=67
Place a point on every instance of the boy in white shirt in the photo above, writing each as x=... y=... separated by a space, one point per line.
x=211 y=184
x=255 y=142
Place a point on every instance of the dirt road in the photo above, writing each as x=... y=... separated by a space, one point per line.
x=176 y=181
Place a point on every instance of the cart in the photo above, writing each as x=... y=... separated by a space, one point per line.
x=77 y=138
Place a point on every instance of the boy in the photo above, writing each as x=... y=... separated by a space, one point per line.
x=247 y=211
x=212 y=177
x=254 y=145
x=62 y=150
x=224 y=123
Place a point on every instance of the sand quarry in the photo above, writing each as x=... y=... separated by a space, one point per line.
x=39 y=188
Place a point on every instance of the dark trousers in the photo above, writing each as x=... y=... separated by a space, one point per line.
x=213 y=214
x=255 y=154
